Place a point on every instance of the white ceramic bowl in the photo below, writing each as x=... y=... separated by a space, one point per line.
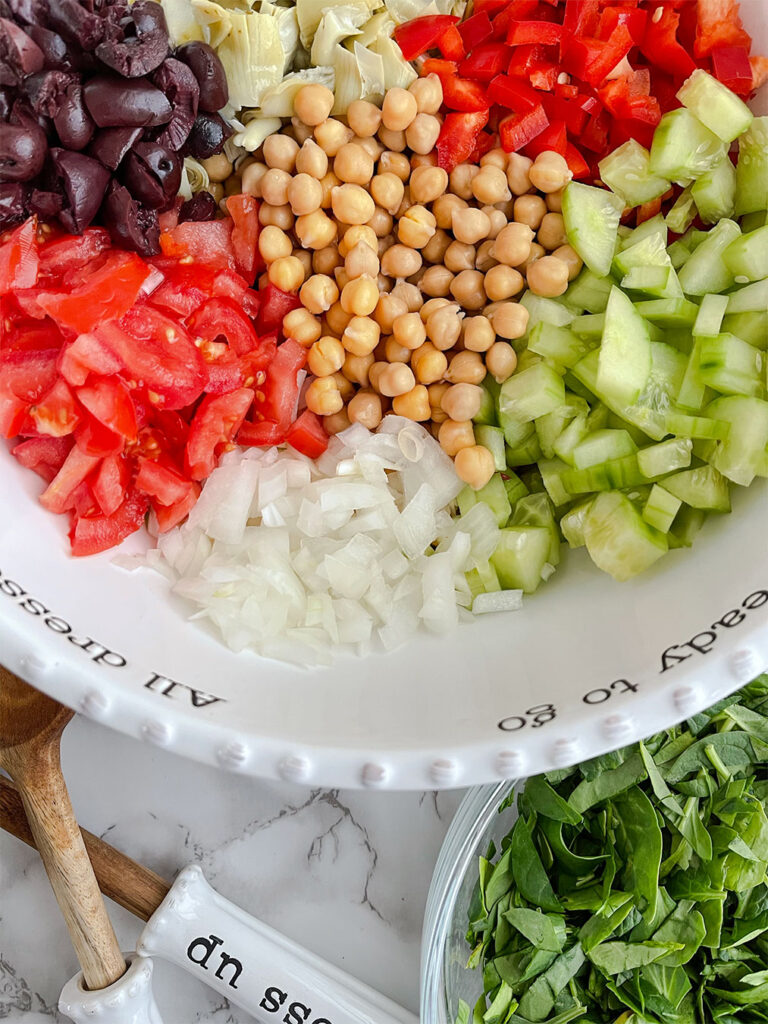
x=587 y=665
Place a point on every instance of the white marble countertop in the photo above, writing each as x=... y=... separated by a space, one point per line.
x=344 y=873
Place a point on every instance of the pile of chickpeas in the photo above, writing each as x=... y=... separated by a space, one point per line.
x=408 y=276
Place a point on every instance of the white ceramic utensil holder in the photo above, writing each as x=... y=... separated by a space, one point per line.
x=253 y=965
x=128 y=1001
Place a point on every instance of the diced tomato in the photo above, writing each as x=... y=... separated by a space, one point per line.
x=275 y=304
x=85 y=355
x=518 y=130
x=207 y=242
x=421 y=34
x=463 y=94
x=170 y=426
x=731 y=67
x=534 y=33
x=91 y=534
x=185 y=286
x=554 y=138
x=475 y=30
x=109 y=401
x=43 y=455
x=485 y=62
x=169 y=516
x=75 y=468
x=93 y=438
x=19 y=261
x=244 y=211
x=458 y=137
x=719 y=24
x=224 y=318
x=214 y=426
x=759 y=67
x=13 y=412
x=57 y=413
x=110 y=484
x=107 y=294
x=281 y=389
x=162 y=482
x=451 y=45
x=71 y=251
x=263 y=434
x=228 y=372
x=307 y=435
x=28 y=373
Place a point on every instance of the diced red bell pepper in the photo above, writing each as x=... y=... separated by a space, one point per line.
x=719 y=24
x=484 y=143
x=571 y=113
x=513 y=93
x=592 y=59
x=731 y=67
x=476 y=30
x=595 y=135
x=660 y=44
x=532 y=33
x=759 y=67
x=582 y=17
x=437 y=66
x=464 y=95
x=634 y=18
x=458 y=137
x=485 y=62
x=544 y=76
x=647 y=210
x=308 y=435
x=526 y=59
x=554 y=138
x=490 y=7
x=451 y=45
x=577 y=165
x=421 y=34
x=518 y=130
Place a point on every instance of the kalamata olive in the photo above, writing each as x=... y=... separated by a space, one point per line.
x=73 y=123
x=55 y=52
x=152 y=175
x=75 y=22
x=208 y=135
x=130 y=225
x=144 y=48
x=19 y=54
x=22 y=151
x=209 y=72
x=111 y=144
x=202 y=206
x=24 y=116
x=6 y=102
x=84 y=181
x=12 y=205
x=179 y=84
x=31 y=12
x=47 y=90
x=47 y=205
x=125 y=103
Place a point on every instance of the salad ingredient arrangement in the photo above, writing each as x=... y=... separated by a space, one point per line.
x=299 y=559
x=96 y=113
x=577 y=78
x=634 y=887
x=414 y=273
x=125 y=379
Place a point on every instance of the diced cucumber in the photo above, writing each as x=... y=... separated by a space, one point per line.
x=653 y=226
x=715 y=105
x=602 y=446
x=753 y=221
x=548 y=310
x=680 y=338
x=710 y=316
x=667 y=372
x=525 y=453
x=536 y=510
x=531 y=393
x=750 y=327
x=520 y=556
x=571 y=436
x=683 y=148
x=492 y=438
x=515 y=433
x=590 y=326
x=527 y=358
x=752 y=168
x=514 y=487
x=687 y=524
x=606 y=476
x=647 y=419
x=739 y=456
x=678 y=253
x=531 y=477
x=702 y=487
x=616 y=422
x=591 y=217
x=693 y=392
x=660 y=508
x=696 y=426
x=589 y=292
x=487 y=411
x=617 y=539
x=731 y=366
x=482 y=580
x=558 y=344
x=551 y=426
x=657 y=282
x=752 y=298
x=682 y=213
x=494 y=495
x=659 y=459
x=626 y=171
x=668 y=312
x=715 y=192
x=706 y=270
x=552 y=478
x=572 y=523
x=649 y=251
x=747 y=257
x=624 y=360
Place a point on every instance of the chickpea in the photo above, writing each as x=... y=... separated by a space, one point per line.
x=513 y=244
x=394 y=141
x=305 y=258
x=313 y=104
x=436 y=392
x=549 y=172
x=518 y=177
x=413 y=405
x=484 y=260
x=279 y=216
x=444 y=208
x=358 y=233
x=280 y=152
x=345 y=386
x=365 y=408
x=416 y=227
x=498 y=221
x=356 y=368
x=336 y=422
x=300 y=131
x=353 y=164
x=380 y=222
x=410 y=294
x=495 y=158
x=361 y=335
x=387 y=190
x=388 y=309
x=401 y=261
x=409 y=331
x=360 y=296
x=233 y=186
x=218 y=167
x=478 y=334
x=475 y=466
x=537 y=251
x=331 y=135
x=530 y=210
x=312 y=160
x=325 y=261
x=460 y=256
x=422 y=135
x=470 y=226
x=318 y=294
x=396 y=379
x=431 y=306
x=501 y=361
x=434 y=250
x=571 y=258
x=326 y=356
x=341 y=277
x=429 y=94
x=551 y=233
x=300 y=325
x=437 y=281
x=554 y=201
x=329 y=182
x=444 y=326
x=398 y=109
x=336 y=319
x=490 y=185
x=427 y=184
x=395 y=163
x=274 y=244
x=286 y=273
x=405 y=204
x=376 y=371
x=502 y=282
x=429 y=363
x=462 y=401
x=548 y=276
x=466 y=368
x=305 y=194
x=509 y=320
x=315 y=230
x=323 y=397
x=251 y=179
x=352 y=204
x=394 y=352
x=468 y=290
x=274 y=186
x=362 y=261
x=454 y=435
x=363 y=118
x=461 y=180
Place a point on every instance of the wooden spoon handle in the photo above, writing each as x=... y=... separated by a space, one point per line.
x=57 y=837
x=131 y=885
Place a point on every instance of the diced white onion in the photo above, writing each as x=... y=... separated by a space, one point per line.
x=498 y=601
